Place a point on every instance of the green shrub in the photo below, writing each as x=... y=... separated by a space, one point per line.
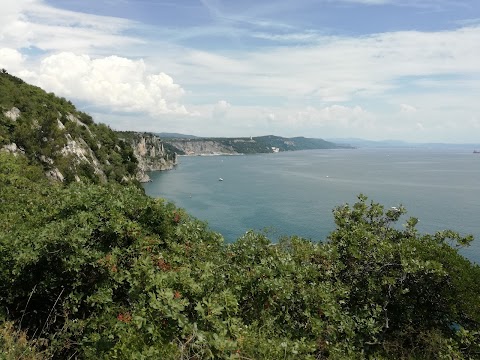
x=15 y=345
x=103 y=271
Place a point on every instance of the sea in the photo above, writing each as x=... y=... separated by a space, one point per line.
x=294 y=193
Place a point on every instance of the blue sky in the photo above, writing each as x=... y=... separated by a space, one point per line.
x=377 y=69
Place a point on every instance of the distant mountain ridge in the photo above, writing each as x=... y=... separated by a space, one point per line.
x=168 y=135
x=247 y=145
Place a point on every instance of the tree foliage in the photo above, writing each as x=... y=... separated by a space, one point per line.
x=256 y=145
x=103 y=271
x=46 y=124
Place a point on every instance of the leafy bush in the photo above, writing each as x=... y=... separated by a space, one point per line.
x=103 y=271
x=15 y=345
x=405 y=288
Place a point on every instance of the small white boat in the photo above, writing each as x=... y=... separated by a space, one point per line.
x=220 y=179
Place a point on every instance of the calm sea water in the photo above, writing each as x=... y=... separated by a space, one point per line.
x=293 y=193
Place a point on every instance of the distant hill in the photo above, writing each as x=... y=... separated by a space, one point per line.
x=167 y=135
x=248 y=145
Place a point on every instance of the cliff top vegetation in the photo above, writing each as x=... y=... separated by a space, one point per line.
x=260 y=144
x=52 y=133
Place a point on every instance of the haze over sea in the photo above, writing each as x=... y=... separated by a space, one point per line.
x=293 y=193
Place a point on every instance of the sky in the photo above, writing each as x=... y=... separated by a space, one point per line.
x=373 y=69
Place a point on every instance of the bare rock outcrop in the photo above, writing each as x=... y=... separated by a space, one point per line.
x=202 y=147
x=12 y=148
x=13 y=114
x=151 y=155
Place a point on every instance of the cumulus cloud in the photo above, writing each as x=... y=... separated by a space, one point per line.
x=220 y=109
x=114 y=82
x=11 y=59
x=438 y=71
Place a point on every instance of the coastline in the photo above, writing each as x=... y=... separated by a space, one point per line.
x=214 y=154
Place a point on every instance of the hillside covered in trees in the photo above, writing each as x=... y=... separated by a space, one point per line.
x=67 y=143
x=99 y=270
x=253 y=145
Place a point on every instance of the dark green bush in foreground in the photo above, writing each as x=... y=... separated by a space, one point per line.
x=103 y=271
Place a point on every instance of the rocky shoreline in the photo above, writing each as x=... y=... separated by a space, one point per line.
x=151 y=155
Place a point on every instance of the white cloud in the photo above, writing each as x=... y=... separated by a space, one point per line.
x=300 y=37
x=11 y=59
x=383 y=73
x=405 y=108
x=220 y=109
x=115 y=82
x=339 y=116
x=291 y=121
x=27 y=23
x=336 y=69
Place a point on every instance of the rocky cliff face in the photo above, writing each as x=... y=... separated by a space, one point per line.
x=245 y=145
x=151 y=155
x=74 y=150
x=201 y=147
x=149 y=152
x=68 y=144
